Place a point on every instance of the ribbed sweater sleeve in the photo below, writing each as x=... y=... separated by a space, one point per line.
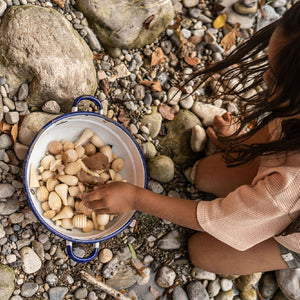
x=246 y=217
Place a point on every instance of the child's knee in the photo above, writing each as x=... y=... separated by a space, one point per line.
x=196 y=252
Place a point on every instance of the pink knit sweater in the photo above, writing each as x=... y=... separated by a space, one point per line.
x=254 y=213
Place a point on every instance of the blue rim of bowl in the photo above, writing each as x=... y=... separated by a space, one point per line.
x=26 y=166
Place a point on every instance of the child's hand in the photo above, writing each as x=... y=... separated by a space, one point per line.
x=112 y=198
x=224 y=125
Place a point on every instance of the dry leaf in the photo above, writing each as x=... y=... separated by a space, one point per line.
x=192 y=61
x=123 y=119
x=98 y=55
x=220 y=21
x=218 y=7
x=104 y=86
x=157 y=57
x=177 y=23
x=261 y=3
x=147 y=22
x=154 y=85
x=6 y=127
x=14 y=132
x=166 y=111
x=60 y=3
x=229 y=39
x=176 y=26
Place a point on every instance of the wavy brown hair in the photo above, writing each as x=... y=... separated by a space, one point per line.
x=248 y=63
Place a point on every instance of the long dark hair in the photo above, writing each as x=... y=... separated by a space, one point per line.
x=248 y=63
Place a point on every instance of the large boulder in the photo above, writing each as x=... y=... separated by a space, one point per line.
x=39 y=46
x=177 y=143
x=127 y=24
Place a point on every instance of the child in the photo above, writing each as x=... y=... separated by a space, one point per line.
x=241 y=231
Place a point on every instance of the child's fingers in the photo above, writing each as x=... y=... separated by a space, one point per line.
x=211 y=134
x=92 y=196
x=227 y=116
x=94 y=205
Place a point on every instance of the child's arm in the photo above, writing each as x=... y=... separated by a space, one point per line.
x=120 y=197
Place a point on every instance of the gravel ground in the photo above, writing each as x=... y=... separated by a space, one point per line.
x=38 y=258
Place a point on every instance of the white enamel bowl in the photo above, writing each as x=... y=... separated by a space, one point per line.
x=70 y=126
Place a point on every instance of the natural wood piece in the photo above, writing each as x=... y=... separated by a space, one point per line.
x=106 y=288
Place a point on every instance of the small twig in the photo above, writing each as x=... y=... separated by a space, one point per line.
x=103 y=286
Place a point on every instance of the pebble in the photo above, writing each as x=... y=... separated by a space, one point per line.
x=227 y=295
x=57 y=293
x=226 y=284
x=12 y=117
x=2 y=79
x=289 y=282
x=93 y=40
x=16 y=218
x=165 y=277
x=171 y=241
x=198 y=138
x=190 y=3
x=10 y=207
x=52 y=279
x=22 y=106
x=9 y=103
x=179 y=294
x=207 y=112
x=23 y=92
x=51 y=107
x=32 y=263
x=6 y=190
x=200 y=274
x=105 y=255
x=3 y=7
x=155 y=186
x=197 y=291
x=81 y=293
x=268 y=285
x=214 y=287
x=29 y=289
x=186 y=101
x=5 y=141
x=174 y=95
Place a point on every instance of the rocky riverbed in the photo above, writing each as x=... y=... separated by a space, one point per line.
x=133 y=59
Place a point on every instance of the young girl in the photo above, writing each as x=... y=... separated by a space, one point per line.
x=256 y=177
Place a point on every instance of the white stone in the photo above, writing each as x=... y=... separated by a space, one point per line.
x=226 y=284
x=213 y=288
x=173 y=95
x=201 y=274
x=190 y=3
x=187 y=101
x=207 y=112
x=32 y=262
x=3 y=7
x=198 y=138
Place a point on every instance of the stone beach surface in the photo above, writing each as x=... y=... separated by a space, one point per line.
x=54 y=51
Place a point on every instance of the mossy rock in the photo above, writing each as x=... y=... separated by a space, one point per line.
x=177 y=143
x=7 y=277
